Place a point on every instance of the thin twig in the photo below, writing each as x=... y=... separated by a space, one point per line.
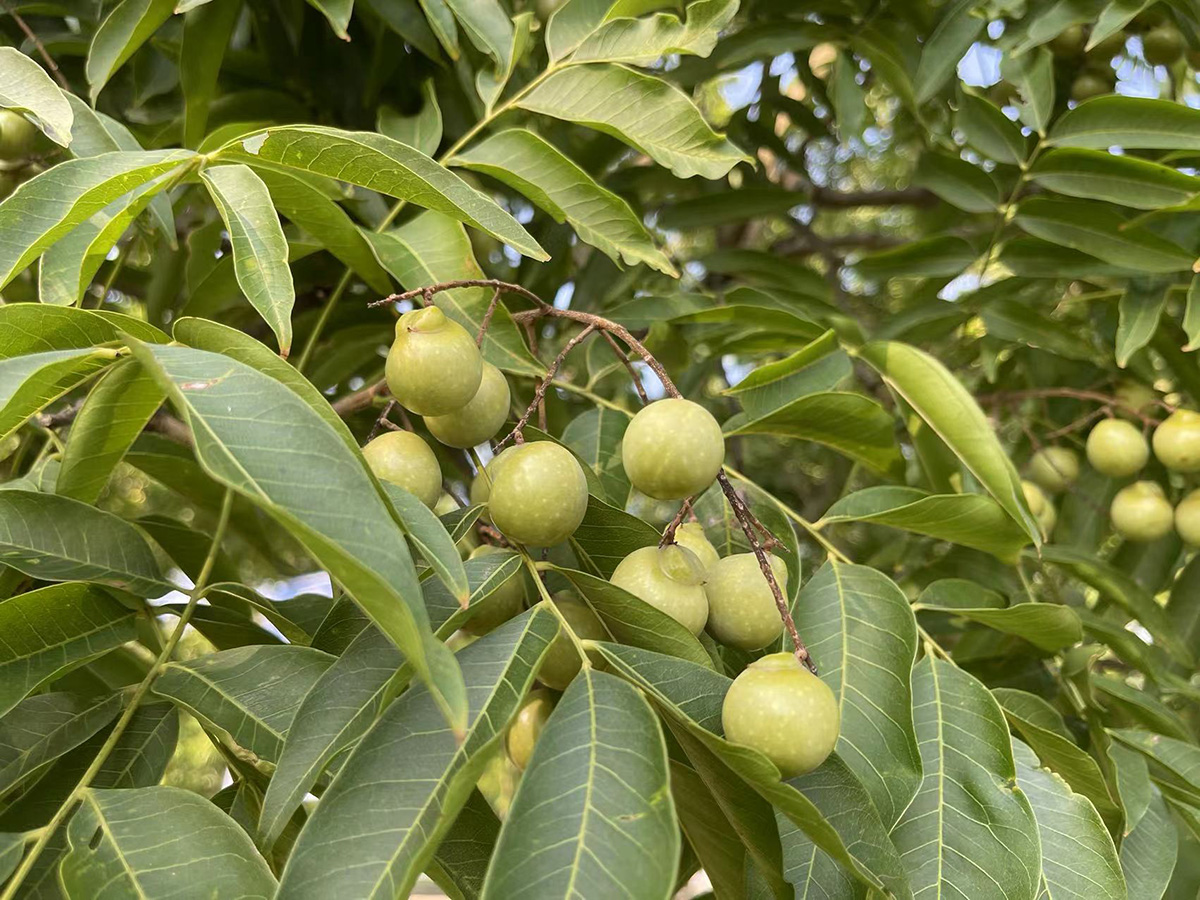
x=1008 y=397
x=539 y=394
x=624 y=358
x=428 y=291
x=669 y=533
x=487 y=317
x=352 y=403
x=41 y=48
x=383 y=421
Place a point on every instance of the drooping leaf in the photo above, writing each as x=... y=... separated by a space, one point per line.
x=461 y=859
x=1130 y=122
x=27 y=89
x=129 y=25
x=423 y=130
x=144 y=749
x=989 y=131
x=1032 y=74
x=957 y=181
x=30 y=383
x=640 y=42
x=1047 y=626
x=1140 y=309
x=1149 y=852
x=932 y=256
x=595 y=437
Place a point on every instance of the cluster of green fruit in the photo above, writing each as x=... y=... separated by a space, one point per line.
x=1117 y=448
x=18 y=140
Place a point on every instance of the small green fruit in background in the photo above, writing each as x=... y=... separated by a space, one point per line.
x=1134 y=397
x=1111 y=46
x=433 y=367
x=480 y=419
x=1054 y=469
x=1070 y=42
x=1163 y=45
x=469 y=541
x=402 y=458
x=527 y=727
x=670 y=579
x=783 y=711
x=1177 y=441
x=691 y=535
x=1116 y=448
x=539 y=495
x=672 y=449
x=1140 y=512
x=1187 y=518
x=561 y=662
x=505 y=601
x=1089 y=84
x=741 y=607
x=1041 y=507
x=18 y=136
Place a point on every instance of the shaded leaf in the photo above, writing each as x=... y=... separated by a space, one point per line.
x=129 y=25
x=1129 y=122
x=956 y=31
x=27 y=89
x=30 y=383
x=640 y=42
x=429 y=539
x=423 y=130
x=1125 y=180
x=40 y=729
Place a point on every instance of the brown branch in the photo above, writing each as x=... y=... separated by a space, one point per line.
x=487 y=318
x=1009 y=397
x=633 y=375
x=823 y=196
x=37 y=43
x=669 y=533
x=539 y=394
x=352 y=403
x=428 y=291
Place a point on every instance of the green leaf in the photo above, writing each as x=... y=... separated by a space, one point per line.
x=595 y=437
x=1174 y=764
x=129 y=25
x=113 y=415
x=1032 y=74
x=607 y=535
x=1079 y=861
x=43 y=209
x=260 y=254
x=1125 y=180
x=206 y=33
x=938 y=256
x=30 y=383
x=250 y=693
x=142 y=753
x=461 y=859
x=433 y=248
x=377 y=826
x=337 y=12
x=1133 y=123
x=52 y=630
x=956 y=31
x=950 y=411
x=613 y=99
x=1114 y=17
x=29 y=90
x=1141 y=707
x=571 y=24
x=970 y=830
x=989 y=130
x=1140 y=308
x=429 y=539
x=593 y=811
x=1191 y=315
x=381 y=164
x=149 y=842
x=641 y=42
x=441 y=21
x=1047 y=626
x=59 y=539
x=847 y=96
x=1149 y=851
x=528 y=163
x=423 y=130
x=42 y=728
x=300 y=469
x=958 y=182
x=861 y=633
x=1011 y=320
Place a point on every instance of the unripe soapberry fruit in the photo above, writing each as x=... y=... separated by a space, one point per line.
x=1163 y=45
x=527 y=727
x=1134 y=397
x=670 y=579
x=1140 y=512
x=1070 y=42
x=1177 y=441
x=672 y=449
x=1187 y=518
x=405 y=460
x=539 y=494
x=1041 y=507
x=18 y=135
x=1111 y=46
x=1088 y=85
x=433 y=367
x=741 y=606
x=505 y=601
x=561 y=662
x=480 y=419
x=1054 y=469
x=691 y=535
x=783 y=711
x=1116 y=448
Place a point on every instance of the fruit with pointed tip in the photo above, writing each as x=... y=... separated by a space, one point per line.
x=527 y=727
x=561 y=662
x=1187 y=518
x=692 y=536
x=1141 y=512
x=539 y=495
x=480 y=419
x=1163 y=45
x=405 y=460
x=18 y=135
x=672 y=449
x=671 y=579
x=1116 y=448
x=1177 y=441
x=504 y=601
x=741 y=606
x=433 y=367
x=1054 y=469
x=1041 y=507
x=784 y=712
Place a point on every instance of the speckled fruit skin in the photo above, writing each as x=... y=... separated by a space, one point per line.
x=433 y=367
x=672 y=449
x=561 y=662
x=480 y=419
x=17 y=135
x=1162 y=45
x=691 y=535
x=741 y=608
x=1187 y=518
x=1041 y=507
x=670 y=579
x=500 y=605
x=527 y=727
x=1140 y=512
x=783 y=711
x=539 y=495
x=1177 y=441
x=402 y=458
x=1054 y=469
x=1116 y=448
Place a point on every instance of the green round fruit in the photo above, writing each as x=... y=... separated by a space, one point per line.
x=1163 y=45
x=1140 y=512
x=405 y=460
x=1116 y=448
x=527 y=727
x=433 y=367
x=18 y=136
x=1113 y=45
x=1054 y=469
x=672 y=449
x=1187 y=518
x=783 y=711
x=1146 y=20
x=691 y=535
x=1134 y=397
x=1070 y=42
x=741 y=607
x=561 y=662
x=505 y=601
x=480 y=419
x=670 y=579
x=1177 y=441
x=539 y=494
x=544 y=9
x=1088 y=85
x=1041 y=507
